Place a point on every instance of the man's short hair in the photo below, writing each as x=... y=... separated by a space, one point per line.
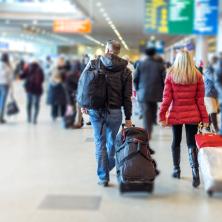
x=151 y=51
x=114 y=46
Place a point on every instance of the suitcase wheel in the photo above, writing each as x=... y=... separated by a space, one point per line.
x=210 y=193
x=143 y=187
x=122 y=188
x=150 y=187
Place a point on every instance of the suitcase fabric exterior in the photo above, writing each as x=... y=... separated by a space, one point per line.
x=210 y=160
x=134 y=165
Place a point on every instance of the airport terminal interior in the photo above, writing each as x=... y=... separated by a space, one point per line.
x=47 y=169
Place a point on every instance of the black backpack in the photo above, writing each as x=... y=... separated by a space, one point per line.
x=92 y=86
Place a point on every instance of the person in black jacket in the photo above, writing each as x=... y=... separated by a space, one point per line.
x=149 y=84
x=34 y=78
x=218 y=86
x=71 y=84
x=57 y=96
x=106 y=122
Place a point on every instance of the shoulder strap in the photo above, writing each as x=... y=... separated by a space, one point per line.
x=98 y=64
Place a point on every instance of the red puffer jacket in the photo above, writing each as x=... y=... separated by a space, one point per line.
x=183 y=104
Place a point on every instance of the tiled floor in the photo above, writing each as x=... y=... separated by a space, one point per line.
x=47 y=174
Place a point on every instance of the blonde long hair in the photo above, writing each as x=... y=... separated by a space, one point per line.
x=184 y=70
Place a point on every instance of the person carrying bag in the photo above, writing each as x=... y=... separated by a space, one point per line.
x=183 y=104
x=6 y=77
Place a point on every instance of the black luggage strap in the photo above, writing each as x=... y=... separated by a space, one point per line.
x=131 y=140
x=131 y=155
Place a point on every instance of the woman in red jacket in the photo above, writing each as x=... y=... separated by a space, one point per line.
x=183 y=104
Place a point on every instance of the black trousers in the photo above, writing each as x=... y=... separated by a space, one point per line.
x=191 y=130
x=149 y=116
x=33 y=101
x=58 y=110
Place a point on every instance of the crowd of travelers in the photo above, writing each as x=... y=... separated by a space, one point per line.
x=57 y=78
x=184 y=95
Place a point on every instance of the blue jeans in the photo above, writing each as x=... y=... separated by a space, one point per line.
x=33 y=101
x=3 y=96
x=106 y=125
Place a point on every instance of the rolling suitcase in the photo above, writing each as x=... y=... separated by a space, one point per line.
x=210 y=161
x=135 y=168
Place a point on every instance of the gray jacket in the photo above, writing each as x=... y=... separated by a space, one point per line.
x=218 y=81
x=209 y=83
x=6 y=74
x=149 y=80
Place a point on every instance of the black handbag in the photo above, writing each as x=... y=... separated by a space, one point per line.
x=12 y=108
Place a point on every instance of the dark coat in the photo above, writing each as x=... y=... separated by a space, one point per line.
x=210 y=90
x=149 y=81
x=56 y=94
x=118 y=82
x=71 y=85
x=119 y=79
x=34 y=78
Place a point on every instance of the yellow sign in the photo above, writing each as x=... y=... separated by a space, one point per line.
x=156 y=16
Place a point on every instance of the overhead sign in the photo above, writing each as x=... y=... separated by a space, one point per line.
x=206 y=17
x=4 y=45
x=72 y=26
x=156 y=12
x=181 y=17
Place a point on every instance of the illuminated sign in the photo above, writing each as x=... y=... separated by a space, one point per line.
x=4 y=45
x=156 y=16
x=206 y=17
x=72 y=26
x=181 y=17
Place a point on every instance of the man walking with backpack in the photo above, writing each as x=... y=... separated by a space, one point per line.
x=104 y=87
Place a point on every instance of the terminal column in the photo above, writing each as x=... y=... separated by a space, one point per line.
x=219 y=36
x=201 y=50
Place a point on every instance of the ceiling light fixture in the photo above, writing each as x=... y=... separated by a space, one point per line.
x=110 y=23
x=93 y=40
x=98 y=4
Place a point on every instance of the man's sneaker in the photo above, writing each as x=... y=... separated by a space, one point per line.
x=103 y=183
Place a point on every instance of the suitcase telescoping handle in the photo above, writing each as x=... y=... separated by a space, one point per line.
x=124 y=130
x=123 y=126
